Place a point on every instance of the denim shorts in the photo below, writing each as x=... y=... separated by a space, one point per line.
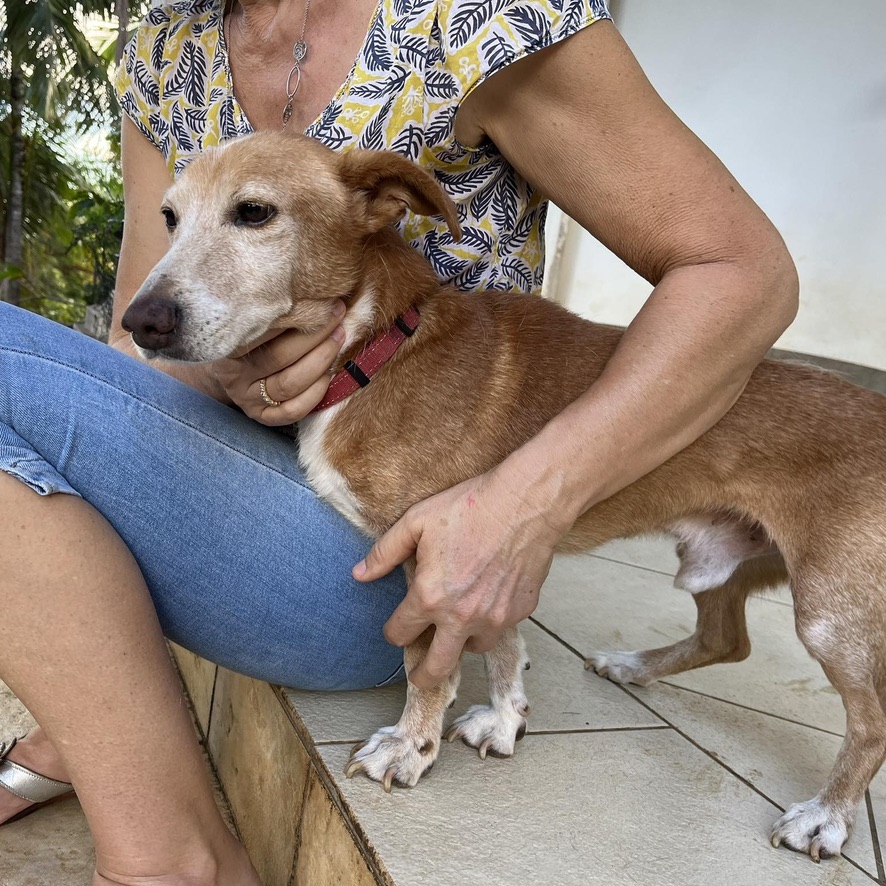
x=246 y=566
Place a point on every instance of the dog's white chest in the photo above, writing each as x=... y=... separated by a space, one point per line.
x=327 y=482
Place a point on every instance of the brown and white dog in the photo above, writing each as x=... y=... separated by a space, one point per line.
x=790 y=485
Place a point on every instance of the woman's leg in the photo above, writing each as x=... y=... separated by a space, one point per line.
x=81 y=646
x=245 y=566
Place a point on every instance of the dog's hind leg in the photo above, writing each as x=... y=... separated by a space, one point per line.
x=848 y=642
x=495 y=728
x=720 y=632
x=400 y=755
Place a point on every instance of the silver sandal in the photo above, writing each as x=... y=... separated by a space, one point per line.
x=28 y=785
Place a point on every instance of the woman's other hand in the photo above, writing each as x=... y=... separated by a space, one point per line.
x=483 y=550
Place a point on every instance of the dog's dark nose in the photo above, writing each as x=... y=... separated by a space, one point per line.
x=152 y=322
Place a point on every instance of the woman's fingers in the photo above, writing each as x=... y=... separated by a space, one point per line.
x=294 y=379
x=288 y=347
x=294 y=409
x=292 y=366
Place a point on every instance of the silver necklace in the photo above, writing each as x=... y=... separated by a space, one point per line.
x=299 y=52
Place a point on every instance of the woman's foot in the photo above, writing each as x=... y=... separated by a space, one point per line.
x=34 y=752
x=227 y=865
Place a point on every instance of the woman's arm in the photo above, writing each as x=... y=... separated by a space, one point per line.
x=582 y=123
x=294 y=364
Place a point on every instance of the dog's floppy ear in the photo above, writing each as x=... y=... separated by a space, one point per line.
x=391 y=184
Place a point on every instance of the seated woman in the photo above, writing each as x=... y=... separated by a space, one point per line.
x=179 y=515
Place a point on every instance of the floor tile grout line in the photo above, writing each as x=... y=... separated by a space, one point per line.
x=333 y=742
x=735 y=704
x=671 y=575
x=557 y=637
x=744 y=707
x=730 y=770
x=875 y=837
x=634 y=565
x=691 y=741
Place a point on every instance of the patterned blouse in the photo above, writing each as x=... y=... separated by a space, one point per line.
x=420 y=60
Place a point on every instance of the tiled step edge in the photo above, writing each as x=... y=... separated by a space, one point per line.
x=290 y=815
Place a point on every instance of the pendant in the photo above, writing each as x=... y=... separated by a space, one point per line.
x=290 y=93
x=299 y=51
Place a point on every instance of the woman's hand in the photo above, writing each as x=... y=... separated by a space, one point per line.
x=483 y=550
x=295 y=368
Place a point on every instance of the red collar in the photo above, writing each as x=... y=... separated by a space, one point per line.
x=358 y=372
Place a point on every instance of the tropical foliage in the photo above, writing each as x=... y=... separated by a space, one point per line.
x=61 y=209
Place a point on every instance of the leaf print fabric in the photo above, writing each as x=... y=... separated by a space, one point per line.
x=420 y=60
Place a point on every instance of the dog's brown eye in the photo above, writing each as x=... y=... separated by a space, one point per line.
x=253 y=213
x=169 y=215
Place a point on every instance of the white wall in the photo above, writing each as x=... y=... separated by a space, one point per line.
x=791 y=95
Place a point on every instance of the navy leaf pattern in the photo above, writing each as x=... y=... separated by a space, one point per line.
x=179 y=125
x=373 y=137
x=440 y=126
x=157 y=60
x=496 y=51
x=227 y=127
x=475 y=238
x=530 y=24
x=440 y=84
x=573 y=17
x=479 y=203
x=189 y=77
x=420 y=58
x=446 y=266
x=504 y=204
x=377 y=51
x=472 y=278
x=517 y=271
x=460 y=184
x=469 y=16
x=518 y=237
x=435 y=46
x=146 y=83
x=371 y=90
x=195 y=118
x=409 y=142
x=413 y=51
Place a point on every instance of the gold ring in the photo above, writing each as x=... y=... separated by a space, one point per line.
x=263 y=389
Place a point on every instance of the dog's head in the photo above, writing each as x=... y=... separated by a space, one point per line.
x=267 y=231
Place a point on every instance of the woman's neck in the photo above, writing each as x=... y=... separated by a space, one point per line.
x=267 y=25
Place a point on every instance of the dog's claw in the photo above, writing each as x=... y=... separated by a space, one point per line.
x=358 y=747
x=353 y=768
x=484 y=748
x=775 y=840
x=389 y=778
x=451 y=734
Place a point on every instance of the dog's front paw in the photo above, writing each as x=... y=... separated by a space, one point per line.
x=392 y=757
x=490 y=730
x=812 y=827
x=619 y=667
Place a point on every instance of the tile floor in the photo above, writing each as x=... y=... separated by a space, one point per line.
x=672 y=785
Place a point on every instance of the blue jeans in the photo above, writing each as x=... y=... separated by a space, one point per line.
x=246 y=566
